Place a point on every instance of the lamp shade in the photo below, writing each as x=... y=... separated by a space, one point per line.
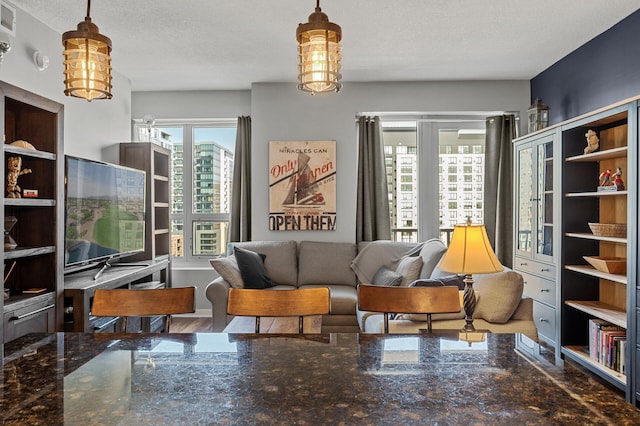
x=87 y=61
x=470 y=252
x=319 y=54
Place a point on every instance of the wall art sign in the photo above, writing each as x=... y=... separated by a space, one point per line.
x=302 y=186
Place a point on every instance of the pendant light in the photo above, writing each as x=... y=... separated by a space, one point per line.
x=319 y=54
x=87 y=61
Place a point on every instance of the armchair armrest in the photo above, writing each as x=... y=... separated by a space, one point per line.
x=218 y=293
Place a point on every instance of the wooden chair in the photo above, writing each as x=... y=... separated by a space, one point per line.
x=408 y=300
x=143 y=303
x=278 y=303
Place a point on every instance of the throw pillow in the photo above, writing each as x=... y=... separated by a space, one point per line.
x=450 y=280
x=431 y=254
x=227 y=268
x=386 y=276
x=498 y=296
x=409 y=268
x=251 y=265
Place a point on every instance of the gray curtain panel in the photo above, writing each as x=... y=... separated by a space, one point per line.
x=498 y=185
x=240 y=220
x=372 y=211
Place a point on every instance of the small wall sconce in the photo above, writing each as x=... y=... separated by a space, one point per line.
x=40 y=60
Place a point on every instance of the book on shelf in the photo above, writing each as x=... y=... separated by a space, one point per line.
x=607 y=343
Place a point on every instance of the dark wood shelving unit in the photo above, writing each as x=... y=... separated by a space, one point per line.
x=36 y=263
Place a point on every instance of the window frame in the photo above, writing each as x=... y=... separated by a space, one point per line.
x=188 y=217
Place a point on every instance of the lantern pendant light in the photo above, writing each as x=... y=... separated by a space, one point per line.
x=319 y=54
x=87 y=61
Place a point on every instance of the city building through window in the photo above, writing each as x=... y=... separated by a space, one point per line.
x=201 y=177
x=410 y=149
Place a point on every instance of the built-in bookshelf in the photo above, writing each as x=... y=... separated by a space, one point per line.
x=32 y=253
x=590 y=295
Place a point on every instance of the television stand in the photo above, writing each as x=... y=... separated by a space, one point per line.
x=107 y=264
x=79 y=287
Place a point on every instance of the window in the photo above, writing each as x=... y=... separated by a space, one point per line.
x=444 y=161
x=202 y=172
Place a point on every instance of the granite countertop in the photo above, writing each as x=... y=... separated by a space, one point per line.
x=336 y=379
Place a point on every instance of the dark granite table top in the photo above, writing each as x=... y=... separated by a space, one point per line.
x=336 y=379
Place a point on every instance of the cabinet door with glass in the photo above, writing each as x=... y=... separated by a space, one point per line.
x=534 y=197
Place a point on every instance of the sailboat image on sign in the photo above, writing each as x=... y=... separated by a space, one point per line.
x=302 y=186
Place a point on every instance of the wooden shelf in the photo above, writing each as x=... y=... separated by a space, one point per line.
x=588 y=270
x=580 y=355
x=20 y=252
x=607 y=154
x=29 y=152
x=600 y=310
x=29 y=202
x=588 y=236
x=595 y=194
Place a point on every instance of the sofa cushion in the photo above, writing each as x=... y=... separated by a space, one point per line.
x=251 y=265
x=431 y=254
x=387 y=277
x=434 y=317
x=326 y=263
x=375 y=254
x=281 y=262
x=409 y=268
x=498 y=295
x=344 y=298
x=227 y=268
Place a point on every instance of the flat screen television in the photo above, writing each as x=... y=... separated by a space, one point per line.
x=105 y=212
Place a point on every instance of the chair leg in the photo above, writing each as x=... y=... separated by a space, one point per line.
x=257 y=325
x=167 y=323
x=124 y=324
x=300 y=324
x=386 y=323
x=429 y=328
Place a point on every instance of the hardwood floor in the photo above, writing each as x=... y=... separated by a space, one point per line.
x=190 y=324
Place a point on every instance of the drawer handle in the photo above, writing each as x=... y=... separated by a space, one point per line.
x=545 y=270
x=544 y=290
x=28 y=314
x=523 y=264
x=543 y=320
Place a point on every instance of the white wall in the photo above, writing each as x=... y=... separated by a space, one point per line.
x=88 y=127
x=281 y=112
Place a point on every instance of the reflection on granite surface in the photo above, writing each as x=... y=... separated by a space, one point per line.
x=335 y=379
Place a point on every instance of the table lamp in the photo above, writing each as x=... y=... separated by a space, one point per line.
x=470 y=253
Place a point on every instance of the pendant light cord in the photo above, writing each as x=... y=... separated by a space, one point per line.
x=89 y=8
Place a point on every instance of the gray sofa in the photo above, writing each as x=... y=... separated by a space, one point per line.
x=340 y=266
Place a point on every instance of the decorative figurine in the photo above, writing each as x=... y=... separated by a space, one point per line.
x=605 y=178
x=617 y=179
x=592 y=142
x=14 y=164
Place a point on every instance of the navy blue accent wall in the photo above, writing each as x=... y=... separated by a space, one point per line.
x=603 y=71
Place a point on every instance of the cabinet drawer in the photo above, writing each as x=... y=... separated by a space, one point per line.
x=545 y=319
x=539 y=288
x=544 y=270
x=39 y=317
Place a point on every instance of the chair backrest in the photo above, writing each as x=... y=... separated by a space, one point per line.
x=408 y=300
x=141 y=303
x=278 y=303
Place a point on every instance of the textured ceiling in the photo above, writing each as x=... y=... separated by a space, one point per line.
x=216 y=45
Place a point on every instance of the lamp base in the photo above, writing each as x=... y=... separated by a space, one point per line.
x=469 y=298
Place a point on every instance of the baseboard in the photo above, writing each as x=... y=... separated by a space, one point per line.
x=199 y=313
